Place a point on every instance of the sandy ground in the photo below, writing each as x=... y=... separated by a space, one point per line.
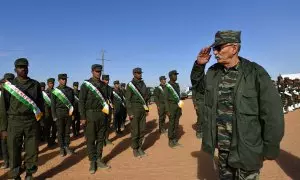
x=162 y=162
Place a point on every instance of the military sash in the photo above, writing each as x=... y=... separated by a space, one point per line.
x=23 y=98
x=76 y=98
x=161 y=88
x=118 y=97
x=175 y=95
x=0 y=93
x=46 y=99
x=136 y=92
x=63 y=98
x=99 y=96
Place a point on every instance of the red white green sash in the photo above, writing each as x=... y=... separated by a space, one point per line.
x=63 y=98
x=175 y=95
x=98 y=95
x=47 y=99
x=136 y=92
x=118 y=97
x=23 y=98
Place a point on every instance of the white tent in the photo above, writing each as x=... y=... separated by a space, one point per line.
x=291 y=76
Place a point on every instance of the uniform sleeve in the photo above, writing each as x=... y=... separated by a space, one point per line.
x=128 y=96
x=4 y=103
x=166 y=93
x=72 y=100
x=271 y=115
x=156 y=96
x=198 y=78
x=82 y=101
x=40 y=99
x=53 y=106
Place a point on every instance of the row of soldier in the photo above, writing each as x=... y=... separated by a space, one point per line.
x=29 y=112
x=289 y=90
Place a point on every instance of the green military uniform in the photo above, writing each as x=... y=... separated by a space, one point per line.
x=109 y=91
x=135 y=107
x=50 y=126
x=90 y=107
x=119 y=107
x=242 y=114
x=4 y=149
x=159 y=99
x=60 y=113
x=173 y=109
x=42 y=128
x=123 y=89
x=20 y=123
x=76 y=121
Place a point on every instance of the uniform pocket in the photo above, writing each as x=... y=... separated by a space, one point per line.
x=208 y=98
x=249 y=102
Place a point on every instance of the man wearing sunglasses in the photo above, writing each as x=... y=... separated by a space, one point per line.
x=93 y=98
x=242 y=115
x=136 y=103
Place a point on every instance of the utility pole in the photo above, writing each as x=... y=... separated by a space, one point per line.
x=103 y=59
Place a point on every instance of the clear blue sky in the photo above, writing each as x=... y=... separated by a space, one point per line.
x=158 y=35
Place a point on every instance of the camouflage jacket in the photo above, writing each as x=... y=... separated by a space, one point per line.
x=258 y=123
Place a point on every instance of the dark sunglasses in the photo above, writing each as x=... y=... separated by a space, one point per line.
x=138 y=72
x=98 y=71
x=220 y=47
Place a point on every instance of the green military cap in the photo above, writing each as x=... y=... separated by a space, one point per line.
x=137 y=70
x=51 y=80
x=21 y=62
x=224 y=37
x=96 y=67
x=162 y=78
x=105 y=77
x=42 y=84
x=123 y=84
x=173 y=72
x=117 y=82
x=62 y=76
x=9 y=76
x=75 y=83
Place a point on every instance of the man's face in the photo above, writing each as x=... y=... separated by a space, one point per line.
x=174 y=77
x=224 y=53
x=62 y=81
x=50 y=85
x=163 y=81
x=75 y=87
x=22 y=71
x=138 y=75
x=43 y=88
x=96 y=73
x=117 y=86
x=105 y=81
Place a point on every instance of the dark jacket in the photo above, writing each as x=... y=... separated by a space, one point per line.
x=169 y=98
x=88 y=100
x=258 y=123
x=159 y=96
x=9 y=105
x=58 y=108
x=133 y=100
x=118 y=103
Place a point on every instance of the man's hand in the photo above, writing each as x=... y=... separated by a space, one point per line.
x=83 y=122
x=4 y=134
x=131 y=117
x=168 y=114
x=204 y=55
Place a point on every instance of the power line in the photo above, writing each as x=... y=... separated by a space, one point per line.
x=103 y=59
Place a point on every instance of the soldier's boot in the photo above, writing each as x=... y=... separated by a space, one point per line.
x=102 y=165
x=199 y=135
x=62 y=152
x=141 y=152
x=69 y=151
x=136 y=153
x=17 y=178
x=28 y=176
x=5 y=165
x=93 y=168
x=284 y=111
x=290 y=109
